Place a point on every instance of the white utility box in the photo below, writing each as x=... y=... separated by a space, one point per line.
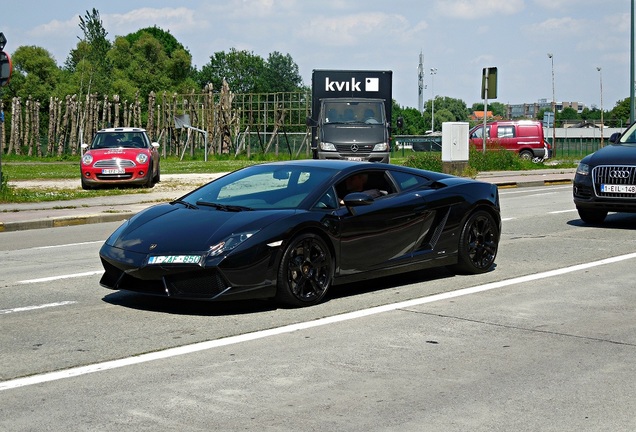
x=454 y=141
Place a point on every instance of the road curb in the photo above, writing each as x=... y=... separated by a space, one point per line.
x=65 y=221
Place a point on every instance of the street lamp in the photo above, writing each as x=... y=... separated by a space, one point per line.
x=600 y=72
x=433 y=73
x=551 y=57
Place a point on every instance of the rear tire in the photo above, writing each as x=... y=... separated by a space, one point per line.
x=592 y=216
x=305 y=271
x=478 y=243
x=526 y=155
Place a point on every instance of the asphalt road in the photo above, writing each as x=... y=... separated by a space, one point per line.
x=544 y=342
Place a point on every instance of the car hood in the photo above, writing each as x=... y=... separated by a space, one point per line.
x=614 y=154
x=350 y=134
x=118 y=152
x=171 y=228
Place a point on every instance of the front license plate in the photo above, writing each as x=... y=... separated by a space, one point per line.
x=610 y=188
x=357 y=159
x=174 y=259
x=113 y=171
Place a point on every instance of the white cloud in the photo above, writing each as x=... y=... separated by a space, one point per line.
x=476 y=9
x=179 y=19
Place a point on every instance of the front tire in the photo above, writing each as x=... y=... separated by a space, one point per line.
x=592 y=216
x=305 y=271
x=478 y=243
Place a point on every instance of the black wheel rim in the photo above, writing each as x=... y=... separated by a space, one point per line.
x=482 y=242
x=308 y=270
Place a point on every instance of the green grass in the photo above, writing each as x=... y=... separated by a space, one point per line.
x=32 y=168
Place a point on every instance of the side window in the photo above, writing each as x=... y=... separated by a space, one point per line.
x=408 y=181
x=478 y=133
x=506 y=132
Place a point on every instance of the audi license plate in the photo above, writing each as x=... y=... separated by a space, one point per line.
x=611 y=188
x=113 y=171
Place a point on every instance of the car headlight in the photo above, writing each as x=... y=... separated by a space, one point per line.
x=326 y=146
x=87 y=159
x=142 y=158
x=230 y=243
x=381 y=147
x=583 y=169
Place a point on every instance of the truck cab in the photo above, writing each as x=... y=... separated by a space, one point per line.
x=352 y=129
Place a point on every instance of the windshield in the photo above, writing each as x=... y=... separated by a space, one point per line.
x=629 y=137
x=261 y=187
x=371 y=112
x=120 y=139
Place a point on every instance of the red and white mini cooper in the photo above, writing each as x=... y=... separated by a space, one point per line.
x=120 y=156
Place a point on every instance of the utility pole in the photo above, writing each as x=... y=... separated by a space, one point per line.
x=420 y=85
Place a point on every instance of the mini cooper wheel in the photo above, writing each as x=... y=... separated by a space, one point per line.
x=305 y=271
x=478 y=243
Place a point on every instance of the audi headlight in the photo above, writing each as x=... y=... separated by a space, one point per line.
x=326 y=146
x=381 y=147
x=87 y=159
x=230 y=243
x=142 y=158
x=583 y=169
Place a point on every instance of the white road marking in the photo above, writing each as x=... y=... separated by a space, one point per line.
x=68 y=276
x=68 y=244
x=207 y=345
x=563 y=211
x=30 y=308
x=526 y=190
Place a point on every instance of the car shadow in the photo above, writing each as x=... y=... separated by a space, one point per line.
x=132 y=300
x=612 y=221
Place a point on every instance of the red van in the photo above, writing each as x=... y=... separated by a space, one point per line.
x=522 y=136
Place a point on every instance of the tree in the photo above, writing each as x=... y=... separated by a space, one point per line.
x=281 y=74
x=35 y=74
x=413 y=121
x=620 y=113
x=243 y=71
x=91 y=50
x=456 y=107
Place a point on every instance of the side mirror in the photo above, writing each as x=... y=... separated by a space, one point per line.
x=310 y=122
x=400 y=122
x=614 y=137
x=155 y=144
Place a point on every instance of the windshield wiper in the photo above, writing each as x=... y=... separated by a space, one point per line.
x=224 y=207
x=185 y=203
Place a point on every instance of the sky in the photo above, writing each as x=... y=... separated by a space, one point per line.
x=458 y=38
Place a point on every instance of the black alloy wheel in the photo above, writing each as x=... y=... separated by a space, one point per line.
x=305 y=271
x=478 y=243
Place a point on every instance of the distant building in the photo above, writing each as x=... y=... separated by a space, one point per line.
x=527 y=110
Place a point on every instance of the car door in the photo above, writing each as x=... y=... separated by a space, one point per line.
x=381 y=234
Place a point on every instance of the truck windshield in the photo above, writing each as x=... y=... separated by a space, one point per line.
x=354 y=112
